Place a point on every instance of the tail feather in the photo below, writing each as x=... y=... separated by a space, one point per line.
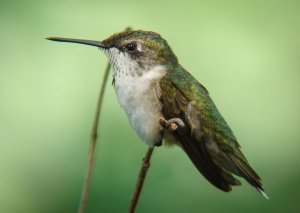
x=230 y=178
x=215 y=174
x=263 y=194
x=202 y=161
x=248 y=173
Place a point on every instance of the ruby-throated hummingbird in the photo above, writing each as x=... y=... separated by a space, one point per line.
x=163 y=101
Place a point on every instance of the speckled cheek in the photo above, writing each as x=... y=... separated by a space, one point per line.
x=123 y=64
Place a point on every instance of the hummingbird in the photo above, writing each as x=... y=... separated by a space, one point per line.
x=164 y=103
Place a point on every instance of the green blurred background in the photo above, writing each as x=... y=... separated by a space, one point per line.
x=245 y=52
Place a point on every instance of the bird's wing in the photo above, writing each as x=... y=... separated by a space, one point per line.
x=206 y=137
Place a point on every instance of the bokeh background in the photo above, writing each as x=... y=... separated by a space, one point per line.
x=245 y=52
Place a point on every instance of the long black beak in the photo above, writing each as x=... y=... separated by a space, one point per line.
x=78 y=41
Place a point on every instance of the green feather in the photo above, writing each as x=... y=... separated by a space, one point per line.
x=207 y=138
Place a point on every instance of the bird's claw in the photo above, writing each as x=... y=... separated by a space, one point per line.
x=171 y=124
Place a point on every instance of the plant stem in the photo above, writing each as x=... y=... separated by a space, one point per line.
x=140 y=182
x=93 y=140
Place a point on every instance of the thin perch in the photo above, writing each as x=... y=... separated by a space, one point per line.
x=139 y=185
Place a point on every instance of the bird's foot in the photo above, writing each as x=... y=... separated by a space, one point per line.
x=171 y=124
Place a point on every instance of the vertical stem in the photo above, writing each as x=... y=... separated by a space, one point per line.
x=140 y=182
x=93 y=140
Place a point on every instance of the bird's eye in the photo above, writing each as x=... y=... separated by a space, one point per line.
x=131 y=47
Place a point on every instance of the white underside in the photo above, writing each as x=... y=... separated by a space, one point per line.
x=139 y=95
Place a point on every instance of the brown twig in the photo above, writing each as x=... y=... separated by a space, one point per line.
x=93 y=140
x=140 y=182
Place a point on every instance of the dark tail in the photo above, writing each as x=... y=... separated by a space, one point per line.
x=222 y=179
x=248 y=173
x=200 y=157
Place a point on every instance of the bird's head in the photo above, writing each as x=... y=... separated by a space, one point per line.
x=132 y=50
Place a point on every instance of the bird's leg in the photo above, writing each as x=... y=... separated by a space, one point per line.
x=171 y=124
x=168 y=125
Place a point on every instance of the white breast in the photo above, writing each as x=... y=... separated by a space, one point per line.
x=139 y=97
